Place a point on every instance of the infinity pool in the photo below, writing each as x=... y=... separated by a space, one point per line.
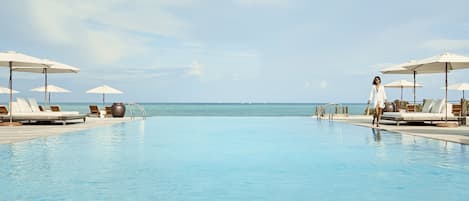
x=234 y=158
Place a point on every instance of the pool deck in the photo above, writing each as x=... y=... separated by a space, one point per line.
x=13 y=134
x=456 y=134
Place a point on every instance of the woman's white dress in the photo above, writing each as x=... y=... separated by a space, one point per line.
x=378 y=95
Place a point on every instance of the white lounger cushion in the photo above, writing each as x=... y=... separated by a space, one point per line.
x=45 y=114
x=23 y=105
x=416 y=115
x=438 y=106
x=449 y=111
x=15 y=108
x=24 y=109
x=427 y=106
x=34 y=106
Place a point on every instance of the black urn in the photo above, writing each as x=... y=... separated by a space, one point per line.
x=118 y=110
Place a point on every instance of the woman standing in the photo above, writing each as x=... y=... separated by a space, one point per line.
x=378 y=95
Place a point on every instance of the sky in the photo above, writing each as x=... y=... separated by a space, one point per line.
x=245 y=51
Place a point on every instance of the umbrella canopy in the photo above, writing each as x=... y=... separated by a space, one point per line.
x=18 y=59
x=441 y=63
x=12 y=59
x=402 y=84
x=460 y=87
x=51 y=89
x=400 y=69
x=4 y=90
x=104 y=90
x=51 y=67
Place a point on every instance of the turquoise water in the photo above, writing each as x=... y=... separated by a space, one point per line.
x=234 y=158
x=224 y=109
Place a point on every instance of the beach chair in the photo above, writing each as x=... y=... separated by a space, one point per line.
x=21 y=111
x=410 y=108
x=432 y=111
x=34 y=106
x=3 y=109
x=108 y=110
x=457 y=110
x=55 y=108
x=94 y=111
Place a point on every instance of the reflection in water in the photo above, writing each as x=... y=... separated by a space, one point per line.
x=445 y=146
x=376 y=134
x=141 y=131
x=408 y=139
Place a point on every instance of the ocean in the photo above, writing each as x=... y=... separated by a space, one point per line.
x=223 y=109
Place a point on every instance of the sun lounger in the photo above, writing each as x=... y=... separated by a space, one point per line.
x=94 y=111
x=46 y=116
x=108 y=110
x=55 y=108
x=457 y=110
x=3 y=109
x=432 y=111
x=23 y=112
x=34 y=106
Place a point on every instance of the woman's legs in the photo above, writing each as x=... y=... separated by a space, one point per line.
x=378 y=112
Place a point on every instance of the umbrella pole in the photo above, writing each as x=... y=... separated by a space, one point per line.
x=49 y=98
x=464 y=109
x=401 y=91
x=11 y=93
x=45 y=87
x=103 y=101
x=400 y=102
x=446 y=92
x=414 y=88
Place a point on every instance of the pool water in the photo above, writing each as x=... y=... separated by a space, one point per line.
x=234 y=158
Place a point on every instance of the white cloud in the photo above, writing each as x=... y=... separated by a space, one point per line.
x=244 y=54
x=109 y=48
x=311 y=84
x=193 y=44
x=446 y=44
x=262 y=3
x=106 y=31
x=127 y=75
x=195 y=69
x=323 y=84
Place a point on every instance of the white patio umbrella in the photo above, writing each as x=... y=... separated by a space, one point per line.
x=104 y=90
x=441 y=63
x=460 y=87
x=402 y=84
x=12 y=59
x=51 y=67
x=4 y=90
x=51 y=89
x=400 y=69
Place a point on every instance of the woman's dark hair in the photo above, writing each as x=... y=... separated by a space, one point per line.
x=374 y=79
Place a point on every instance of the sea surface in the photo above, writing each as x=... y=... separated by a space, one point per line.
x=224 y=109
